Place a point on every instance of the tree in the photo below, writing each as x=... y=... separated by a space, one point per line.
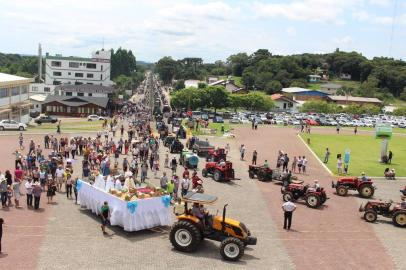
x=272 y=87
x=400 y=111
x=123 y=62
x=179 y=84
x=257 y=101
x=166 y=68
x=248 y=78
x=238 y=62
x=123 y=82
x=319 y=106
x=218 y=97
x=403 y=94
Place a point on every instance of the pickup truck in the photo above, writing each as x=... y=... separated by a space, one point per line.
x=201 y=148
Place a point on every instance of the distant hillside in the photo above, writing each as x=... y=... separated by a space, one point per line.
x=26 y=66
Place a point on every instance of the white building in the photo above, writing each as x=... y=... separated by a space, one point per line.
x=84 y=90
x=14 y=102
x=284 y=103
x=36 y=102
x=77 y=70
x=41 y=88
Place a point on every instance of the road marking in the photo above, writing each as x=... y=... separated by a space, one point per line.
x=314 y=154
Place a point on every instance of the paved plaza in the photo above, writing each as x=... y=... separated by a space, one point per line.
x=65 y=236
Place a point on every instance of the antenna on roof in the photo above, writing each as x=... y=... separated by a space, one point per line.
x=103 y=45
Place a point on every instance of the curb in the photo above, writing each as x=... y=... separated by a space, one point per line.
x=314 y=154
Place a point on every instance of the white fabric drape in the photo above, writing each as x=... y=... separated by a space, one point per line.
x=149 y=213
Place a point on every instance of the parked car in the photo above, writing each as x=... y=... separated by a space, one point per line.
x=234 y=120
x=94 y=117
x=11 y=124
x=218 y=119
x=34 y=114
x=45 y=119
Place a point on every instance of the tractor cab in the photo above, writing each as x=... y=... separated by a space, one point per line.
x=188 y=232
x=215 y=155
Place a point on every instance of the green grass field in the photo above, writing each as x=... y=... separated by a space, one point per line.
x=365 y=151
x=69 y=125
x=216 y=126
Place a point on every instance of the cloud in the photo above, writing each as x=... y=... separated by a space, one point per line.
x=363 y=16
x=325 y=11
x=383 y=3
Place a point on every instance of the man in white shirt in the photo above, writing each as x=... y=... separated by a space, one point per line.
x=28 y=187
x=59 y=177
x=185 y=186
x=288 y=209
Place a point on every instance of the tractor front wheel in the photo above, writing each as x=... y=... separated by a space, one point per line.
x=185 y=236
x=217 y=176
x=204 y=172
x=370 y=216
x=287 y=196
x=341 y=191
x=366 y=191
x=399 y=219
x=232 y=249
x=312 y=201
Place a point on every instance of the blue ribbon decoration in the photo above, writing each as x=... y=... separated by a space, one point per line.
x=79 y=184
x=132 y=206
x=166 y=200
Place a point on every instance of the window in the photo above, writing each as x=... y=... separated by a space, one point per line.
x=89 y=83
x=90 y=65
x=57 y=83
x=34 y=89
x=15 y=91
x=90 y=94
x=78 y=83
x=69 y=94
x=81 y=95
x=47 y=89
x=89 y=75
x=4 y=93
x=56 y=63
x=101 y=76
x=80 y=75
x=69 y=73
x=101 y=67
x=57 y=73
x=24 y=89
x=73 y=65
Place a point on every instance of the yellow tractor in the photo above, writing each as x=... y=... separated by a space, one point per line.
x=196 y=224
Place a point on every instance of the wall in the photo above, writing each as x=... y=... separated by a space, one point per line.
x=101 y=74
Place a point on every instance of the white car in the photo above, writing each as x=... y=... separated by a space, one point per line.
x=94 y=117
x=244 y=120
x=11 y=124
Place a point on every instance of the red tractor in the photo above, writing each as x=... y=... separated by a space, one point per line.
x=216 y=155
x=365 y=188
x=221 y=171
x=387 y=209
x=314 y=197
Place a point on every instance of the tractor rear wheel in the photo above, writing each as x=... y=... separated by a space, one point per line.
x=185 y=236
x=260 y=176
x=217 y=176
x=312 y=201
x=232 y=249
x=399 y=219
x=204 y=172
x=370 y=216
x=366 y=191
x=251 y=174
x=341 y=191
x=287 y=196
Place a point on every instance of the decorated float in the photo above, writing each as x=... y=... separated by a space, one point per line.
x=133 y=209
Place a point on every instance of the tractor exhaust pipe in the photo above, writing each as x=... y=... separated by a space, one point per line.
x=224 y=218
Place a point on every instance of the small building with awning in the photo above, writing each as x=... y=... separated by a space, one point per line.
x=14 y=100
x=75 y=106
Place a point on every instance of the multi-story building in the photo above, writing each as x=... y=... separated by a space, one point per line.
x=84 y=90
x=14 y=102
x=77 y=70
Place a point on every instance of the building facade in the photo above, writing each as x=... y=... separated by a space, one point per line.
x=41 y=88
x=14 y=98
x=75 y=106
x=84 y=90
x=71 y=70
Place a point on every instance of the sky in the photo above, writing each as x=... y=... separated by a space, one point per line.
x=212 y=30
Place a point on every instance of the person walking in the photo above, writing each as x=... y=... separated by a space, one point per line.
x=242 y=152
x=304 y=164
x=339 y=165
x=285 y=163
x=185 y=186
x=338 y=129
x=390 y=156
x=294 y=164
x=355 y=130
x=326 y=155
x=105 y=215
x=174 y=164
x=28 y=188
x=163 y=181
x=254 y=157
x=36 y=191
x=288 y=208
x=299 y=164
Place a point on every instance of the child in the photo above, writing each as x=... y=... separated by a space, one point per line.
x=105 y=214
